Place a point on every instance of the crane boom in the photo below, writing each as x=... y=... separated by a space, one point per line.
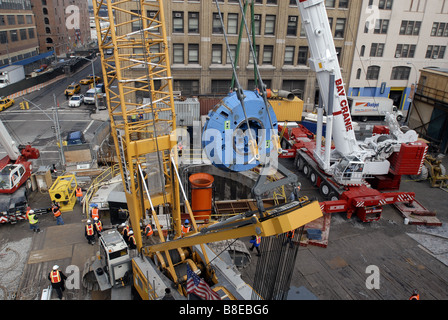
x=7 y=143
x=324 y=61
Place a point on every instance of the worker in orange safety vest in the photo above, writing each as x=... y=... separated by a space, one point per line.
x=98 y=226
x=57 y=213
x=289 y=237
x=90 y=232
x=57 y=279
x=131 y=240
x=415 y=295
x=186 y=227
x=94 y=213
x=148 y=230
x=125 y=232
x=78 y=194
x=255 y=240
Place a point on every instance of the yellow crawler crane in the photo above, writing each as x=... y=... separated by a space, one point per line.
x=146 y=146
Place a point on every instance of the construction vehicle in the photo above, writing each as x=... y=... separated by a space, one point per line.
x=15 y=173
x=349 y=174
x=146 y=146
x=433 y=170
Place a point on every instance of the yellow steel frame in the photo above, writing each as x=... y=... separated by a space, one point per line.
x=139 y=65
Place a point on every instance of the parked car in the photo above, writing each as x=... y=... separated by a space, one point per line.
x=76 y=100
x=72 y=89
x=89 y=80
x=6 y=103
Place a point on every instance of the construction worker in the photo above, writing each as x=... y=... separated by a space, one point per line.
x=94 y=212
x=289 y=237
x=125 y=232
x=131 y=240
x=255 y=240
x=186 y=227
x=415 y=295
x=57 y=279
x=57 y=214
x=34 y=222
x=148 y=230
x=78 y=194
x=90 y=232
x=98 y=226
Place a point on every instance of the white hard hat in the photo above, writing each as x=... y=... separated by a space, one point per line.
x=95 y=218
x=89 y=221
x=55 y=267
x=31 y=211
x=131 y=232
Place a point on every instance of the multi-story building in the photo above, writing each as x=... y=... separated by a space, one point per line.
x=18 y=36
x=395 y=40
x=61 y=25
x=200 y=63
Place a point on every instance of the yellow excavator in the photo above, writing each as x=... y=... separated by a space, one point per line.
x=139 y=89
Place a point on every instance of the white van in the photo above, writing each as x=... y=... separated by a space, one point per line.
x=89 y=97
x=365 y=108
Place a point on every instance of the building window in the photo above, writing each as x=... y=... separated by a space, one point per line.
x=268 y=52
x=330 y=22
x=377 y=50
x=13 y=35
x=47 y=30
x=193 y=53
x=385 y=4
x=269 y=28
x=257 y=24
x=178 y=22
x=271 y=1
x=11 y=20
x=29 y=19
x=435 y=52
x=400 y=73
x=292 y=26
x=405 y=51
x=362 y=51
x=381 y=26
x=373 y=73
x=232 y=23
x=46 y=21
x=330 y=3
x=358 y=74
x=178 y=53
x=289 y=55
x=410 y=28
x=3 y=37
x=187 y=87
x=45 y=11
x=257 y=55
x=20 y=19
x=303 y=56
x=217 y=26
x=439 y=29
x=340 y=28
x=31 y=33
x=193 y=22
x=221 y=86
x=343 y=4
x=232 y=48
x=217 y=54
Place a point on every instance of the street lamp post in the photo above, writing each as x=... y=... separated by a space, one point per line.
x=94 y=80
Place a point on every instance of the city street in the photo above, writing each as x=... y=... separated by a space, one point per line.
x=36 y=125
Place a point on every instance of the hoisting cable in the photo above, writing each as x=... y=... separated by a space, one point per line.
x=239 y=90
x=261 y=85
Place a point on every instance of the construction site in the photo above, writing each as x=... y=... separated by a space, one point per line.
x=248 y=203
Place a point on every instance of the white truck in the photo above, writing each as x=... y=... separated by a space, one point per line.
x=10 y=75
x=365 y=108
x=89 y=97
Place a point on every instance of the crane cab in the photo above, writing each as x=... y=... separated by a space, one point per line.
x=12 y=176
x=349 y=171
x=115 y=263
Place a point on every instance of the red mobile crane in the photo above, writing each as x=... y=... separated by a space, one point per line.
x=342 y=167
x=15 y=173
